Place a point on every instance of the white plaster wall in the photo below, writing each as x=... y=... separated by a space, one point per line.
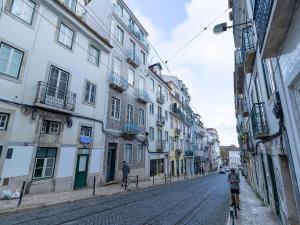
x=97 y=159
x=66 y=162
x=19 y=164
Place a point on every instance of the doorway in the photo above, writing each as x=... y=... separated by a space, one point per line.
x=111 y=162
x=81 y=168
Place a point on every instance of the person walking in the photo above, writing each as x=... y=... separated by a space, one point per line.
x=234 y=180
x=125 y=171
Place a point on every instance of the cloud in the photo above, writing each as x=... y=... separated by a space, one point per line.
x=206 y=65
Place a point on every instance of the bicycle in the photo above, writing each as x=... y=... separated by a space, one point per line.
x=233 y=210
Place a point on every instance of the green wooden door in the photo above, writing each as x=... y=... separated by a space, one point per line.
x=81 y=169
x=111 y=162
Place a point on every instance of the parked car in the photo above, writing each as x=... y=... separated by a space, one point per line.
x=222 y=171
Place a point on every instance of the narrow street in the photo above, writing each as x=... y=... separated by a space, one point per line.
x=203 y=200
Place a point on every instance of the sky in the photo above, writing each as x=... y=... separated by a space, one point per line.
x=206 y=65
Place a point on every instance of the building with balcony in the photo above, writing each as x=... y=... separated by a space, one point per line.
x=266 y=97
x=128 y=92
x=158 y=157
x=51 y=87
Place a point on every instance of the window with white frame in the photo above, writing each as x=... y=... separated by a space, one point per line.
x=151 y=133
x=141 y=117
x=151 y=84
x=85 y=131
x=50 y=127
x=129 y=113
x=65 y=36
x=143 y=57
x=44 y=163
x=128 y=153
x=10 y=60
x=4 y=117
x=115 y=108
x=94 y=55
x=130 y=77
x=120 y=35
x=23 y=9
x=151 y=108
x=71 y=4
x=269 y=76
x=140 y=153
x=90 y=92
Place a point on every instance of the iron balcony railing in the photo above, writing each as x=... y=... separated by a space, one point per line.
x=262 y=12
x=259 y=120
x=55 y=97
x=248 y=43
x=160 y=97
x=142 y=96
x=189 y=120
x=160 y=120
x=188 y=153
x=133 y=58
x=130 y=128
x=176 y=110
x=177 y=132
x=160 y=144
x=178 y=152
x=118 y=82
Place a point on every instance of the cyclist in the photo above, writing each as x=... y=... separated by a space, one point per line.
x=234 y=180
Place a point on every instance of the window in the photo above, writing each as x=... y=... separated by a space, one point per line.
x=9 y=153
x=94 y=55
x=120 y=35
x=166 y=136
x=115 y=108
x=65 y=36
x=171 y=123
x=143 y=57
x=151 y=84
x=140 y=153
x=23 y=9
x=85 y=131
x=50 y=127
x=159 y=134
x=128 y=153
x=269 y=76
x=151 y=133
x=132 y=48
x=166 y=115
x=141 y=117
x=142 y=83
x=118 y=66
x=90 y=92
x=4 y=121
x=71 y=4
x=44 y=163
x=151 y=108
x=10 y=60
x=129 y=113
x=131 y=77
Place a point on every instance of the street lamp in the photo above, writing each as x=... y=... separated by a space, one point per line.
x=221 y=27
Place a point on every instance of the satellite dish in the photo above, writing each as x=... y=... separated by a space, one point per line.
x=219 y=28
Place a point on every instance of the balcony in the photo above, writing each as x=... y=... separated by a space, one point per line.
x=188 y=153
x=130 y=129
x=177 y=132
x=76 y=7
x=133 y=59
x=189 y=120
x=160 y=98
x=142 y=96
x=248 y=48
x=160 y=145
x=160 y=120
x=178 y=152
x=118 y=82
x=54 y=98
x=177 y=111
x=188 y=136
x=259 y=121
x=245 y=109
x=278 y=25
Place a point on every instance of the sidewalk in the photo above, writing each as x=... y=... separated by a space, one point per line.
x=253 y=211
x=45 y=199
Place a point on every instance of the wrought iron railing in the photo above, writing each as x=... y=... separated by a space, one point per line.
x=177 y=131
x=133 y=58
x=262 y=12
x=160 y=97
x=142 y=95
x=160 y=120
x=176 y=110
x=160 y=144
x=248 y=41
x=259 y=120
x=188 y=153
x=118 y=81
x=189 y=120
x=55 y=97
x=130 y=128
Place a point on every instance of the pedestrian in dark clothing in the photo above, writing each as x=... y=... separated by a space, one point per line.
x=125 y=171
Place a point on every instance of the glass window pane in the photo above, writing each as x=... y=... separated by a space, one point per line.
x=38 y=173
x=82 y=163
x=39 y=163
x=41 y=153
x=50 y=162
x=49 y=172
x=51 y=152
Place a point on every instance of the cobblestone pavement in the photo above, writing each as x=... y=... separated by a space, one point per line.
x=253 y=212
x=203 y=200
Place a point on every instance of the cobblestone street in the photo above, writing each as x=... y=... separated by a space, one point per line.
x=203 y=200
